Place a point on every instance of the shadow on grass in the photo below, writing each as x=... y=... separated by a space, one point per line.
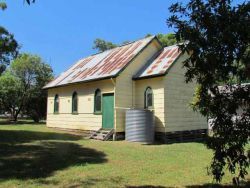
x=145 y=186
x=207 y=185
x=20 y=122
x=20 y=136
x=212 y=185
x=203 y=141
x=22 y=159
x=92 y=182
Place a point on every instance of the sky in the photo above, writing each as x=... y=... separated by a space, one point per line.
x=62 y=31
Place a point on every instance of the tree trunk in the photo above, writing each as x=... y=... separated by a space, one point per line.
x=15 y=114
x=35 y=118
x=15 y=117
x=12 y=112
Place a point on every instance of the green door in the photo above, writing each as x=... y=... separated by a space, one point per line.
x=108 y=111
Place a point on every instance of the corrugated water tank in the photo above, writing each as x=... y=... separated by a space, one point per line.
x=140 y=125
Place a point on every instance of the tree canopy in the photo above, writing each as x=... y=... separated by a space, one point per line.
x=102 y=45
x=21 y=87
x=30 y=1
x=165 y=39
x=217 y=39
x=8 y=48
x=3 y=5
x=10 y=87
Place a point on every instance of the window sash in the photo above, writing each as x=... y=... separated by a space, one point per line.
x=148 y=100
x=74 y=103
x=56 y=104
x=98 y=102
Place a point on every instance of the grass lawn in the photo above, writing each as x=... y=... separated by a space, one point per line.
x=32 y=155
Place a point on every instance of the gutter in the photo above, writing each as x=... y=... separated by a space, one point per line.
x=84 y=81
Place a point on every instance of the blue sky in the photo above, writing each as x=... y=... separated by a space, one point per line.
x=62 y=32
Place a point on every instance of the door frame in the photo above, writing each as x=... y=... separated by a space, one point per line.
x=113 y=94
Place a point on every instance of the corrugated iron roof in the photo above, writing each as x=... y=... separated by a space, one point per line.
x=160 y=64
x=102 y=65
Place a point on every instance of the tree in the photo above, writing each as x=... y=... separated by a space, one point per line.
x=102 y=45
x=217 y=35
x=37 y=102
x=8 y=45
x=28 y=74
x=10 y=87
x=30 y=1
x=3 y=5
x=165 y=39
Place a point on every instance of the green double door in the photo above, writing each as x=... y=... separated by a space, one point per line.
x=108 y=111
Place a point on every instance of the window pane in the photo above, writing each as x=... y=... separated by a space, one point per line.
x=98 y=103
x=56 y=104
x=148 y=98
x=74 y=103
x=150 y=102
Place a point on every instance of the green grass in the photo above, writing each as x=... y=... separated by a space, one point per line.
x=32 y=155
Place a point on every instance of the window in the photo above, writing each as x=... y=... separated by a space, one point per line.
x=148 y=101
x=56 y=104
x=98 y=101
x=74 y=103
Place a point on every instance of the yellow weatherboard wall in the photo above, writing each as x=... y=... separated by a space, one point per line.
x=85 y=119
x=125 y=86
x=157 y=86
x=178 y=114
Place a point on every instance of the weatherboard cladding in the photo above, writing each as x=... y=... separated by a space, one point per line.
x=102 y=65
x=161 y=63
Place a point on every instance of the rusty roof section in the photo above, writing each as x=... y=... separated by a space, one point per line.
x=102 y=65
x=159 y=65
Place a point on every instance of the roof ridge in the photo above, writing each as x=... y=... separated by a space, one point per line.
x=152 y=36
x=121 y=45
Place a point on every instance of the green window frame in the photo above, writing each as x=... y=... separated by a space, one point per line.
x=148 y=98
x=98 y=102
x=56 y=104
x=74 y=103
